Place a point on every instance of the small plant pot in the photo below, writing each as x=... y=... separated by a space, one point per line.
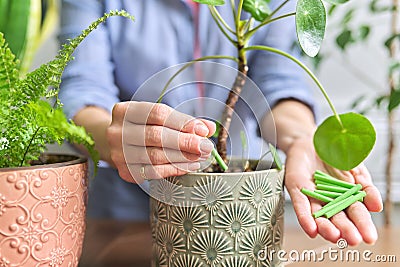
x=42 y=212
x=217 y=219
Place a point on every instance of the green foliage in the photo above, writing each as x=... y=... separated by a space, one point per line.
x=211 y=2
x=28 y=122
x=15 y=29
x=275 y=156
x=346 y=145
x=310 y=25
x=394 y=100
x=337 y=2
x=259 y=9
x=355 y=137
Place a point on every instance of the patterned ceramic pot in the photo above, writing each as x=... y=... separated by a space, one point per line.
x=42 y=213
x=230 y=219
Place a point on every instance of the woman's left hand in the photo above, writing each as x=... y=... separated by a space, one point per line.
x=354 y=224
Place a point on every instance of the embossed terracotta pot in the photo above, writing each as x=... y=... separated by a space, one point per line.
x=42 y=213
x=230 y=219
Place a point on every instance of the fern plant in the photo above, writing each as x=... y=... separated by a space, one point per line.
x=28 y=120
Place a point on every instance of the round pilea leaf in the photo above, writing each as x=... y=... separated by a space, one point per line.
x=344 y=146
x=310 y=25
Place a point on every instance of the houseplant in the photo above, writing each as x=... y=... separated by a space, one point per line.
x=352 y=31
x=42 y=197
x=193 y=219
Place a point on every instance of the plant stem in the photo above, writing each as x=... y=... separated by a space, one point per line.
x=231 y=101
x=29 y=145
x=268 y=21
x=219 y=19
x=185 y=66
x=222 y=29
x=279 y=8
x=305 y=68
x=391 y=117
x=238 y=15
x=233 y=6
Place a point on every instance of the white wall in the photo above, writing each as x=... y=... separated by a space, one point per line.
x=341 y=83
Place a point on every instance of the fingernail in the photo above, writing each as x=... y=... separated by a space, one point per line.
x=200 y=129
x=204 y=157
x=194 y=166
x=206 y=146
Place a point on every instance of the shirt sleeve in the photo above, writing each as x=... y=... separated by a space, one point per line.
x=277 y=76
x=88 y=79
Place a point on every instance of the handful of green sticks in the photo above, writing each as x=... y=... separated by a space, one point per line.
x=336 y=193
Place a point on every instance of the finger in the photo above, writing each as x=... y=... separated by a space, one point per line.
x=158 y=136
x=324 y=226
x=361 y=218
x=210 y=125
x=125 y=174
x=147 y=172
x=327 y=229
x=163 y=115
x=373 y=200
x=301 y=205
x=348 y=230
x=158 y=155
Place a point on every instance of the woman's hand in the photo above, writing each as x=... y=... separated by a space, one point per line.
x=150 y=141
x=355 y=223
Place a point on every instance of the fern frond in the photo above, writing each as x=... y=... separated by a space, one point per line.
x=50 y=74
x=8 y=70
x=27 y=122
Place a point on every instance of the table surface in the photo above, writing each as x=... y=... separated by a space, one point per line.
x=121 y=244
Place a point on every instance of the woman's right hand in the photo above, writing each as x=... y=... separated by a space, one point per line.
x=153 y=141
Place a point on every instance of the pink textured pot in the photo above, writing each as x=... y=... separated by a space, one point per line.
x=42 y=213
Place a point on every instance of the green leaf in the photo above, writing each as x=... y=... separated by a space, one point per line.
x=259 y=9
x=347 y=17
x=374 y=8
x=344 y=147
x=337 y=2
x=344 y=39
x=211 y=2
x=379 y=100
x=356 y=103
x=275 y=156
x=310 y=25
x=331 y=10
x=394 y=100
x=394 y=66
x=390 y=40
x=364 y=31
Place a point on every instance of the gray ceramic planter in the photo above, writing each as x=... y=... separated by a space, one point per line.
x=231 y=219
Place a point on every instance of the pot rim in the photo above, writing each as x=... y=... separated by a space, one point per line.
x=229 y=173
x=75 y=159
